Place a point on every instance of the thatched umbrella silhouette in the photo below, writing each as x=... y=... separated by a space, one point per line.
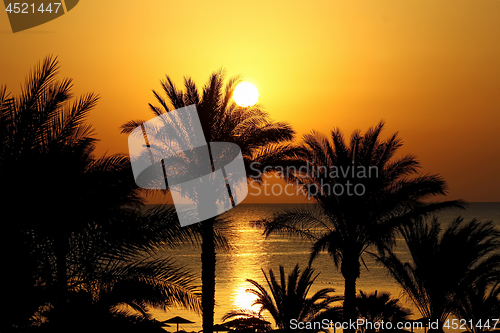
x=177 y=320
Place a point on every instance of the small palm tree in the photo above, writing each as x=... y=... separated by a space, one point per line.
x=479 y=303
x=288 y=300
x=444 y=267
x=389 y=191
x=380 y=307
x=224 y=121
x=246 y=321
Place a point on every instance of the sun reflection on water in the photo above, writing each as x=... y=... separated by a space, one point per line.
x=249 y=254
x=241 y=299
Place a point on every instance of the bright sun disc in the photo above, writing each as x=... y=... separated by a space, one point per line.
x=245 y=94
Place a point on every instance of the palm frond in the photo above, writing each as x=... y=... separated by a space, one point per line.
x=131 y=125
x=296 y=222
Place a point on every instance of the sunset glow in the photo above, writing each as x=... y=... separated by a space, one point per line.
x=232 y=166
x=428 y=68
x=244 y=299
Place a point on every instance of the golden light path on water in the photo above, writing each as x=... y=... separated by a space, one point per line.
x=251 y=252
x=242 y=299
x=246 y=265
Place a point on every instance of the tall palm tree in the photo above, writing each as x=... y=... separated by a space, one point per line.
x=221 y=120
x=445 y=263
x=288 y=300
x=44 y=140
x=363 y=193
x=376 y=307
x=59 y=191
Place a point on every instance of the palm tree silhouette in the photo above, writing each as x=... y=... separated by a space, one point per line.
x=60 y=192
x=344 y=224
x=44 y=142
x=243 y=320
x=445 y=266
x=288 y=299
x=221 y=120
x=376 y=307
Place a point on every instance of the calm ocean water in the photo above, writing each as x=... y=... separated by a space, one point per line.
x=253 y=252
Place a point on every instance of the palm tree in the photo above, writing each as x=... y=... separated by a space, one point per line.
x=478 y=305
x=246 y=321
x=380 y=307
x=288 y=299
x=59 y=192
x=379 y=192
x=44 y=141
x=222 y=120
x=444 y=267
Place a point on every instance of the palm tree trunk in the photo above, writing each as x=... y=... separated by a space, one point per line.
x=350 y=270
x=349 y=301
x=208 y=260
x=60 y=250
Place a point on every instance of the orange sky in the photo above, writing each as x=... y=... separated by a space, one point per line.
x=430 y=68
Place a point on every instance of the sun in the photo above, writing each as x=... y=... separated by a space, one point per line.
x=245 y=94
x=244 y=299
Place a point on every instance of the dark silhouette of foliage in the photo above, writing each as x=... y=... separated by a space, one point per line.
x=287 y=299
x=223 y=121
x=246 y=321
x=380 y=307
x=346 y=225
x=447 y=265
x=71 y=236
x=479 y=303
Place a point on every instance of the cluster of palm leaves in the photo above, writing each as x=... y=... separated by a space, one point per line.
x=452 y=271
x=77 y=249
x=376 y=307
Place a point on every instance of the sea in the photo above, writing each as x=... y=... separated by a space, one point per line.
x=252 y=253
